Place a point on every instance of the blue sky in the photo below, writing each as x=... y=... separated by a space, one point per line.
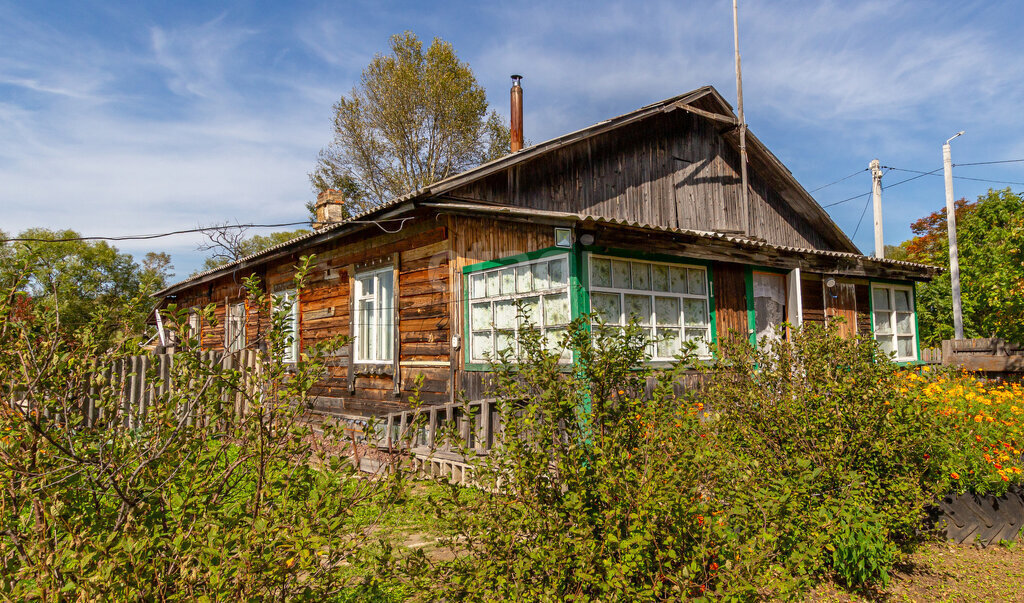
x=140 y=117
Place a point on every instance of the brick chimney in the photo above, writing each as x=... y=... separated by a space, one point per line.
x=330 y=208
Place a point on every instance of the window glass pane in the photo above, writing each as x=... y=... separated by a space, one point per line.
x=904 y=323
x=600 y=272
x=478 y=285
x=667 y=311
x=385 y=338
x=385 y=280
x=641 y=275
x=695 y=312
x=700 y=337
x=902 y=300
x=638 y=307
x=530 y=313
x=508 y=281
x=677 y=280
x=696 y=282
x=524 y=279
x=881 y=298
x=659 y=277
x=554 y=342
x=620 y=274
x=906 y=347
x=885 y=341
x=366 y=285
x=540 y=276
x=556 y=273
x=481 y=316
x=482 y=345
x=556 y=310
x=883 y=324
x=365 y=332
x=493 y=284
x=606 y=305
x=668 y=343
x=504 y=314
x=505 y=340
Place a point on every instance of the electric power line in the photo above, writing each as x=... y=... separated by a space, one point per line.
x=989 y=162
x=957 y=177
x=190 y=230
x=838 y=181
x=861 y=219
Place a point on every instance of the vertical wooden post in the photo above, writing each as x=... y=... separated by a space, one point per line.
x=351 y=328
x=396 y=338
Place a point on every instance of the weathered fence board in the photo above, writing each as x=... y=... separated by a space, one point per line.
x=137 y=381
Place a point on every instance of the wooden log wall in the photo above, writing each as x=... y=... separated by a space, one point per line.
x=673 y=170
x=421 y=250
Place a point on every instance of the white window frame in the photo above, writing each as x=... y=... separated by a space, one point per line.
x=892 y=312
x=523 y=289
x=291 y=349
x=652 y=294
x=234 y=327
x=381 y=343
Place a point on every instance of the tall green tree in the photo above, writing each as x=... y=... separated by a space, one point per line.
x=417 y=116
x=76 y=278
x=990 y=237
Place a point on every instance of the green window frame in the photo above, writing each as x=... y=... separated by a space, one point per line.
x=894 y=319
x=539 y=283
x=671 y=300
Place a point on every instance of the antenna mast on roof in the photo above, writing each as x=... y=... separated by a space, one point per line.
x=743 y=124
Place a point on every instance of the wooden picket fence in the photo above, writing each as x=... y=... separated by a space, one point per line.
x=139 y=380
x=423 y=434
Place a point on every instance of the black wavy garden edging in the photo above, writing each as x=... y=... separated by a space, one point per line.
x=982 y=520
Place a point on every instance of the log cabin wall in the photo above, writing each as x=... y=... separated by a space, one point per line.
x=422 y=253
x=672 y=170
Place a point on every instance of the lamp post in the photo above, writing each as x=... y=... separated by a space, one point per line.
x=954 y=259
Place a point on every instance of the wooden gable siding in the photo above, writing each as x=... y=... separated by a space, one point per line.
x=673 y=170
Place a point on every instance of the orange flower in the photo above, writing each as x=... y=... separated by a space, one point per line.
x=700 y=520
x=954 y=475
x=714 y=566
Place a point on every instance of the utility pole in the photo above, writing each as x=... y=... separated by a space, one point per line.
x=954 y=259
x=876 y=193
x=743 y=124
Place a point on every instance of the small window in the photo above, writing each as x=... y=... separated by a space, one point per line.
x=670 y=301
x=374 y=316
x=234 y=328
x=290 y=300
x=894 y=322
x=539 y=287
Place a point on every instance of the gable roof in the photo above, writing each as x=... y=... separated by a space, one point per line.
x=705 y=102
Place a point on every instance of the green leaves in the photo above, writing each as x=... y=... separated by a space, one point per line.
x=417 y=116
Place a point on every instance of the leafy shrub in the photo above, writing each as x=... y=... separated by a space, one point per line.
x=226 y=506
x=789 y=463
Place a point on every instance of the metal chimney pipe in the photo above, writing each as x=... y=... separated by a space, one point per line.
x=516 y=142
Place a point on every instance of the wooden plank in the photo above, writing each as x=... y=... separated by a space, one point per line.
x=396 y=342
x=351 y=377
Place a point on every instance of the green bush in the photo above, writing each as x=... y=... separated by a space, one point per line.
x=231 y=507
x=791 y=463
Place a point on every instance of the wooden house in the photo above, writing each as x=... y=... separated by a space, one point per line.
x=641 y=215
